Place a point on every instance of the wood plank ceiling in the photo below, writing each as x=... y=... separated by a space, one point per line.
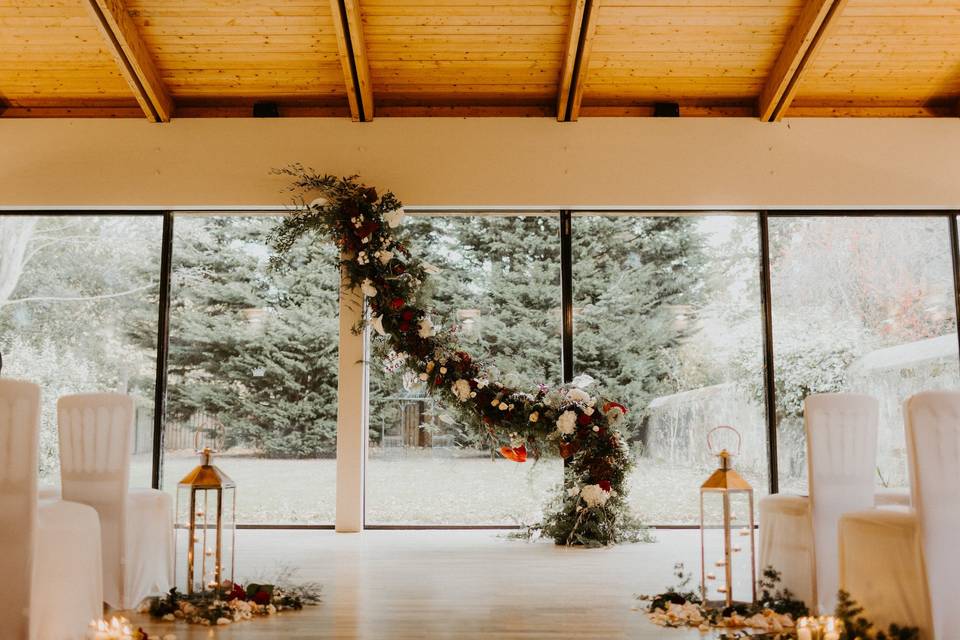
x=551 y=58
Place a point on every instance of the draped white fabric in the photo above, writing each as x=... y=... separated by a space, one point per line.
x=51 y=553
x=19 y=433
x=933 y=447
x=881 y=567
x=799 y=536
x=786 y=542
x=903 y=566
x=68 y=585
x=95 y=432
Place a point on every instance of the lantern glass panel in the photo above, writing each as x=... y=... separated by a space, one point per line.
x=727 y=543
x=205 y=537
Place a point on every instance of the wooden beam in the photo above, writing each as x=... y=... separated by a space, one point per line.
x=576 y=58
x=815 y=20
x=132 y=56
x=348 y=26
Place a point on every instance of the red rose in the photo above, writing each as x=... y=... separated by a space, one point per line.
x=583 y=419
x=605 y=485
x=407 y=315
x=261 y=597
x=438 y=380
x=404 y=327
x=396 y=304
x=611 y=405
x=399 y=269
x=367 y=229
x=237 y=593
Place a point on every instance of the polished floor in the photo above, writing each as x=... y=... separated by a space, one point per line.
x=454 y=584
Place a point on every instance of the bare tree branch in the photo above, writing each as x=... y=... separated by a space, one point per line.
x=103 y=296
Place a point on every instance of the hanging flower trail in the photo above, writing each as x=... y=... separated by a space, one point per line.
x=590 y=508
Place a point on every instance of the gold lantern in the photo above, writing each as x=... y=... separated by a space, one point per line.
x=206 y=527
x=727 y=551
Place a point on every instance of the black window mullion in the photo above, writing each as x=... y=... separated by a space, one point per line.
x=955 y=261
x=770 y=392
x=566 y=293
x=163 y=350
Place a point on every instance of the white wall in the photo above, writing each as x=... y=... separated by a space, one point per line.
x=640 y=162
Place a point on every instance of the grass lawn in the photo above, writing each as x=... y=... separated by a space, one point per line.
x=424 y=487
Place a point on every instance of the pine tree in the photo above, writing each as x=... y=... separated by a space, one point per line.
x=253 y=347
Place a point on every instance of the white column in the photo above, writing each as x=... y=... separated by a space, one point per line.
x=351 y=413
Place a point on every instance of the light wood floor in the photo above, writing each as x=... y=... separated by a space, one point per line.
x=455 y=584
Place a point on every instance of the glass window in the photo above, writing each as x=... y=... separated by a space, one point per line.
x=499 y=284
x=253 y=367
x=667 y=316
x=861 y=304
x=78 y=314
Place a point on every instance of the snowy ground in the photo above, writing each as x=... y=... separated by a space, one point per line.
x=423 y=488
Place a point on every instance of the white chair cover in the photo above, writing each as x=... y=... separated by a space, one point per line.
x=933 y=448
x=51 y=554
x=799 y=535
x=881 y=567
x=842 y=464
x=95 y=431
x=19 y=444
x=902 y=566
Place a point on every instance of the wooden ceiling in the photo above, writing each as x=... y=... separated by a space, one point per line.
x=550 y=58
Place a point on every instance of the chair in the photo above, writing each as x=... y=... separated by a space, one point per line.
x=136 y=525
x=798 y=535
x=50 y=560
x=902 y=565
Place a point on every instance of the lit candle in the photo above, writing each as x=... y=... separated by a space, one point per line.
x=830 y=628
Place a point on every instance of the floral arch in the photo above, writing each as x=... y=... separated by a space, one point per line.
x=590 y=507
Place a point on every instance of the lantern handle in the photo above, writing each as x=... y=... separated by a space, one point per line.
x=715 y=429
x=218 y=440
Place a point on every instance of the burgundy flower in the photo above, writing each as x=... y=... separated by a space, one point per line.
x=396 y=304
x=583 y=419
x=605 y=485
x=261 y=597
x=407 y=315
x=237 y=593
x=438 y=380
x=404 y=327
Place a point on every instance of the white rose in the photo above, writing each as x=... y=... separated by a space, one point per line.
x=583 y=381
x=367 y=288
x=567 y=423
x=578 y=395
x=461 y=389
x=502 y=406
x=594 y=496
x=394 y=217
x=426 y=328
x=384 y=256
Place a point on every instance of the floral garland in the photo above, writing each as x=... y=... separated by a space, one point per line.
x=590 y=508
x=236 y=604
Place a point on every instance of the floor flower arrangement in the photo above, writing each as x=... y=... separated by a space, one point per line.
x=774 y=616
x=234 y=604
x=576 y=421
